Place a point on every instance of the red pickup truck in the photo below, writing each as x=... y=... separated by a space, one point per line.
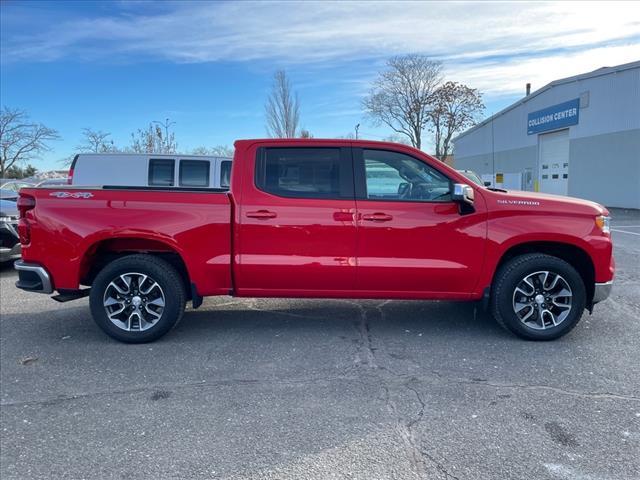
x=317 y=218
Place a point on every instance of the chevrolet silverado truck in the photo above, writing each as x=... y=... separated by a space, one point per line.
x=323 y=219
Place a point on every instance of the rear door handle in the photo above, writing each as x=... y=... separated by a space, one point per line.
x=262 y=214
x=377 y=217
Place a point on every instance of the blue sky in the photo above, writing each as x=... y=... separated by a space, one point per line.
x=116 y=66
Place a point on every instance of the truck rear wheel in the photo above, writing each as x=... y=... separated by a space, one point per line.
x=137 y=298
x=538 y=297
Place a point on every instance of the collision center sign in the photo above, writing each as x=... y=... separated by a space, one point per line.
x=554 y=117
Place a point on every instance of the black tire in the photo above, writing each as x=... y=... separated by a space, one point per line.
x=512 y=273
x=160 y=271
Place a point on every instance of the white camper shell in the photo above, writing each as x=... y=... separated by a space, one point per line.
x=150 y=170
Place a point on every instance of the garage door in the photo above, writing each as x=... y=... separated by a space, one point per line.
x=553 y=155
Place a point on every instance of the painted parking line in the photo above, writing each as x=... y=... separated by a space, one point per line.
x=624 y=231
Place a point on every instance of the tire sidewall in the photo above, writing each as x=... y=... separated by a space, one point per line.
x=512 y=275
x=163 y=273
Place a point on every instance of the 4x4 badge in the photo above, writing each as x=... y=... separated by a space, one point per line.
x=71 y=194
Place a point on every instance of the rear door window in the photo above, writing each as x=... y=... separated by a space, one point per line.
x=194 y=173
x=162 y=172
x=305 y=172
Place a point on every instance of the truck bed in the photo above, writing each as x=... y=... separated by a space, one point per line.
x=71 y=223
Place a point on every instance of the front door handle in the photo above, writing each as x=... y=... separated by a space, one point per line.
x=377 y=217
x=262 y=214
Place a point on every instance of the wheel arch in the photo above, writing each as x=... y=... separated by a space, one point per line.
x=104 y=251
x=572 y=254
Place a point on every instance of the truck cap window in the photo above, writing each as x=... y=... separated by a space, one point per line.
x=225 y=174
x=162 y=172
x=396 y=176
x=304 y=173
x=194 y=173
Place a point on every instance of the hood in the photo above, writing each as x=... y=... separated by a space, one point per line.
x=8 y=208
x=547 y=201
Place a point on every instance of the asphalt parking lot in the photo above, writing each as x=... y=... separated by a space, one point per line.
x=310 y=389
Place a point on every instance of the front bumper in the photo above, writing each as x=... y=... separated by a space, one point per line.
x=33 y=277
x=10 y=247
x=602 y=291
x=12 y=253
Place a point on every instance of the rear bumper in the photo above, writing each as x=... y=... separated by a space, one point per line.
x=33 y=277
x=602 y=291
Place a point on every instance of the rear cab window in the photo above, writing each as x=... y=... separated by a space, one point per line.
x=321 y=173
x=162 y=172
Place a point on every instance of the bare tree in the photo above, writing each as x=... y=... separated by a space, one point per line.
x=395 y=138
x=20 y=139
x=217 y=151
x=457 y=107
x=282 y=109
x=403 y=95
x=154 y=139
x=96 y=141
x=304 y=133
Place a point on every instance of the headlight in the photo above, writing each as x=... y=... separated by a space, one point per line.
x=604 y=223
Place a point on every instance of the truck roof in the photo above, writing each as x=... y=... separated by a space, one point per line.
x=154 y=155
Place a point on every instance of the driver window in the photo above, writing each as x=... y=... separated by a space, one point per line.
x=396 y=176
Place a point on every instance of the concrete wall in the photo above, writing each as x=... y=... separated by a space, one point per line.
x=606 y=169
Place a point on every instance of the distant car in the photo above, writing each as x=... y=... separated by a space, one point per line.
x=8 y=195
x=150 y=170
x=14 y=185
x=9 y=240
x=474 y=177
x=53 y=181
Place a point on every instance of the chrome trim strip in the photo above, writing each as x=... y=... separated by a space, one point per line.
x=40 y=271
x=602 y=291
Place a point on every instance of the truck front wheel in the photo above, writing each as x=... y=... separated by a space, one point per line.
x=137 y=298
x=538 y=296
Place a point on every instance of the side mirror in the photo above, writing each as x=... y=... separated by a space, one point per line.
x=462 y=193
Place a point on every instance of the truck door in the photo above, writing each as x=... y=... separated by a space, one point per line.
x=296 y=231
x=412 y=239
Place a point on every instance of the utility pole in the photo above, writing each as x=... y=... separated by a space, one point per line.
x=357 y=128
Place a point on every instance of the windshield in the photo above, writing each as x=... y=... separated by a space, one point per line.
x=473 y=176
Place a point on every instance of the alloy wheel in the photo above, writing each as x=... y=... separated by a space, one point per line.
x=542 y=300
x=134 y=301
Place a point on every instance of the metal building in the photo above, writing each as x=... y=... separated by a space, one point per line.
x=578 y=136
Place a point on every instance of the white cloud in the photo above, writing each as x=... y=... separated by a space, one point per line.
x=509 y=76
x=534 y=42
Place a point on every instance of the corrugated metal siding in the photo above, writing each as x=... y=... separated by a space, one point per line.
x=614 y=103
